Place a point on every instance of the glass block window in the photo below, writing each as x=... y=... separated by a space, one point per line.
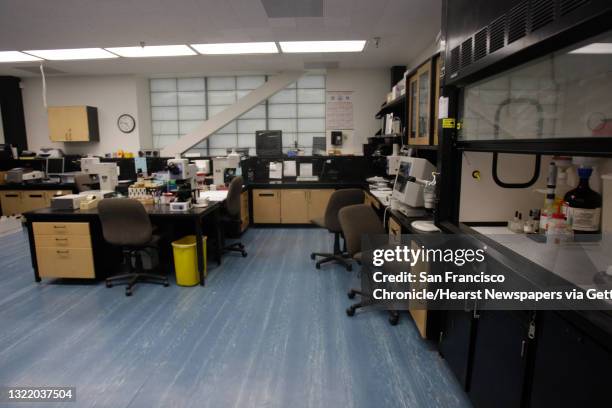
x=178 y=105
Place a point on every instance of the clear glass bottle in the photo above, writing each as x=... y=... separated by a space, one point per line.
x=584 y=205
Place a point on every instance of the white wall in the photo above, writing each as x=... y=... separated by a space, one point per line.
x=370 y=88
x=112 y=95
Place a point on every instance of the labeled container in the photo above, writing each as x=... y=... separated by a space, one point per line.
x=186 y=261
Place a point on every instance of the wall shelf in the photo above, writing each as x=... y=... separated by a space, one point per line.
x=393 y=106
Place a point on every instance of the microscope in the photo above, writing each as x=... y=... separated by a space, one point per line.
x=184 y=174
x=108 y=173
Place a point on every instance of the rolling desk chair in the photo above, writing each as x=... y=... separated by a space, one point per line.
x=338 y=200
x=230 y=219
x=126 y=224
x=358 y=220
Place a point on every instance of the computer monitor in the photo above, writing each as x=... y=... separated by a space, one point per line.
x=406 y=191
x=55 y=166
x=269 y=143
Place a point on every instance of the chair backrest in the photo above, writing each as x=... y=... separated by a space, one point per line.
x=232 y=203
x=125 y=222
x=339 y=199
x=82 y=181
x=358 y=220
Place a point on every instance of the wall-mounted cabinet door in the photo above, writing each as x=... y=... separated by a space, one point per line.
x=424 y=104
x=73 y=123
x=413 y=107
x=420 y=97
x=437 y=63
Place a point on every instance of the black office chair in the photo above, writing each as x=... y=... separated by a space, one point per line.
x=230 y=219
x=356 y=221
x=126 y=224
x=338 y=200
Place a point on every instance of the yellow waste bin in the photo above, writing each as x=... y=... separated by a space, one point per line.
x=186 y=260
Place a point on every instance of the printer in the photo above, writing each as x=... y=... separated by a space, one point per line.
x=20 y=175
x=73 y=201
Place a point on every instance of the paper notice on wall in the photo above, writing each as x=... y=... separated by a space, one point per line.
x=339 y=110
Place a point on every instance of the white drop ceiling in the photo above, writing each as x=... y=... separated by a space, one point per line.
x=406 y=28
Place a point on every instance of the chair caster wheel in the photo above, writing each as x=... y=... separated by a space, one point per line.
x=128 y=292
x=166 y=284
x=109 y=285
x=349 y=268
x=350 y=312
x=351 y=295
x=318 y=265
x=244 y=254
x=312 y=256
x=394 y=320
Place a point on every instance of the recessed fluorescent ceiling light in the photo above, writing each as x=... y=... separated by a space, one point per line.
x=595 y=48
x=16 y=56
x=152 y=51
x=72 y=54
x=237 y=48
x=322 y=46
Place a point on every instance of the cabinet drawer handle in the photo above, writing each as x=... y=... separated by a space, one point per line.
x=266 y=194
x=61 y=239
x=59 y=226
x=523 y=343
x=35 y=195
x=62 y=252
x=11 y=195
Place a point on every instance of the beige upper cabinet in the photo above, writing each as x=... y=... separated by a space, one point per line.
x=73 y=124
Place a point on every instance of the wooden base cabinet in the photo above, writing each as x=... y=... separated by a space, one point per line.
x=244 y=211
x=21 y=201
x=266 y=206
x=317 y=202
x=63 y=250
x=11 y=202
x=289 y=206
x=294 y=207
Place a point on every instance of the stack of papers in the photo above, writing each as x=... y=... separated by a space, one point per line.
x=214 y=195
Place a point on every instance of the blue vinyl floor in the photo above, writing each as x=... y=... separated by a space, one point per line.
x=268 y=330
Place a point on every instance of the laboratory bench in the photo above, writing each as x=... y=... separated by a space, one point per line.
x=575 y=345
x=70 y=243
x=37 y=186
x=290 y=202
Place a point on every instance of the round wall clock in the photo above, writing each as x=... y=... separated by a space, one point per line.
x=126 y=123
